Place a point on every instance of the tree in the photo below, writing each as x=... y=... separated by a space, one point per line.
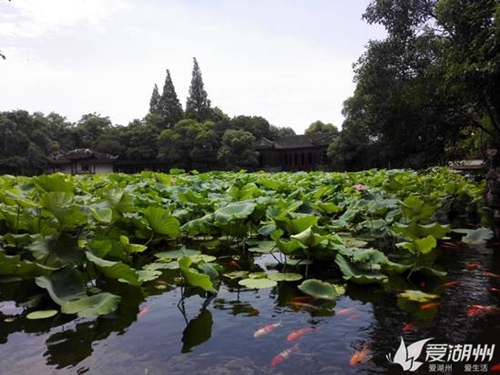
x=175 y=145
x=258 y=126
x=154 y=102
x=276 y=132
x=237 y=149
x=168 y=105
x=319 y=127
x=197 y=104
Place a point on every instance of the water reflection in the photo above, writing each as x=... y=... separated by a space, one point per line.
x=188 y=331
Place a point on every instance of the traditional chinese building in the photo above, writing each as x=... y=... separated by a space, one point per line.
x=82 y=161
x=292 y=153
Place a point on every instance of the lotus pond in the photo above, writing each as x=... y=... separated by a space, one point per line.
x=246 y=273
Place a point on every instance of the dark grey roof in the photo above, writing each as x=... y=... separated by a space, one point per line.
x=82 y=154
x=297 y=141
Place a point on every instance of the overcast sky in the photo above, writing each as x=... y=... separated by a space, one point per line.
x=289 y=61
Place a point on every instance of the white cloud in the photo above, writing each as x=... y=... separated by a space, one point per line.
x=33 y=18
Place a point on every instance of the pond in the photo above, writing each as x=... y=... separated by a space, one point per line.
x=169 y=329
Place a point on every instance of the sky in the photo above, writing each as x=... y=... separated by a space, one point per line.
x=289 y=61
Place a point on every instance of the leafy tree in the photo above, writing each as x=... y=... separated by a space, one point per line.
x=205 y=147
x=258 y=126
x=154 y=102
x=176 y=144
x=237 y=149
x=90 y=127
x=320 y=127
x=168 y=105
x=276 y=132
x=198 y=104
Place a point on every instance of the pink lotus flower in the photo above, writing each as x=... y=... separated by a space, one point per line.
x=360 y=187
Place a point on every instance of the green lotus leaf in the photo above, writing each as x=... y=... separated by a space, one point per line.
x=161 y=221
x=285 y=276
x=234 y=211
x=417 y=296
x=358 y=276
x=257 y=275
x=61 y=205
x=93 y=306
x=298 y=262
x=41 y=314
x=131 y=248
x=308 y=237
x=414 y=231
x=318 y=289
x=54 y=182
x=63 y=285
x=475 y=236
x=193 y=277
x=13 y=265
x=417 y=209
x=296 y=225
x=148 y=275
x=258 y=283
x=236 y=275
x=176 y=254
x=103 y=215
x=262 y=247
x=115 y=270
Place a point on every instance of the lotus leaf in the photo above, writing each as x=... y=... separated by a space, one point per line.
x=41 y=314
x=258 y=283
x=161 y=221
x=318 y=289
x=285 y=276
x=417 y=296
x=115 y=270
x=475 y=236
x=63 y=285
x=193 y=277
x=234 y=211
x=93 y=306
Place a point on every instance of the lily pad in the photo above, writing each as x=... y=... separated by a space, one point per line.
x=475 y=236
x=258 y=283
x=318 y=289
x=176 y=254
x=41 y=314
x=418 y=296
x=282 y=276
x=93 y=306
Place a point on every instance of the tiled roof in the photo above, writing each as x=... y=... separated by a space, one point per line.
x=82 y=154
x=297 y=141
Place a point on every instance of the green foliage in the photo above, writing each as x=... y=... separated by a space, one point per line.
x=237 y=149
x=197 y=104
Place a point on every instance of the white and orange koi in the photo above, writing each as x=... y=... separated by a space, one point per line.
x=346 y=310
x=282 y=356
x=142 y=312
x=266 y=329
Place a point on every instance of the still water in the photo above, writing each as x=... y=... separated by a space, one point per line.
x=171 y=331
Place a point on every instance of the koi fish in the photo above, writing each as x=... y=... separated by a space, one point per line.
x=234 y=264
x=346 y=310
x=266 y=329
x=254 y=312
x=473 y=266
x=282 y=356
x=353 y=317
x=430 y=305
x=480 y=309
x=449 y=245
x=361 y=356
x=495 y=368
x=449 y=284
x=142 y=312
x=407 y=327
x=303 y=305
x=493 y=289
x=491 y=274
x=299 y=333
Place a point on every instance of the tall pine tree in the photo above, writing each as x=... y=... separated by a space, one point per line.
x=169 y=105
x=198 y=104
x=154 y=103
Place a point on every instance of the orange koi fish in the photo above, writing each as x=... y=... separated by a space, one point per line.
x=449 y=284
x=493 y=289
x=473 y=266
x=480 y=309
x=353 y=317
x=282 y=356
x=234 y=264
x=303 y=305
x=449 y=245
x=495 y=368
x=361 y=356
x=408 y=327
x=430 y=305
x=266 y=329
x=491 y=274
x=299 y=333
x=142 y=312
x=346 y=310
